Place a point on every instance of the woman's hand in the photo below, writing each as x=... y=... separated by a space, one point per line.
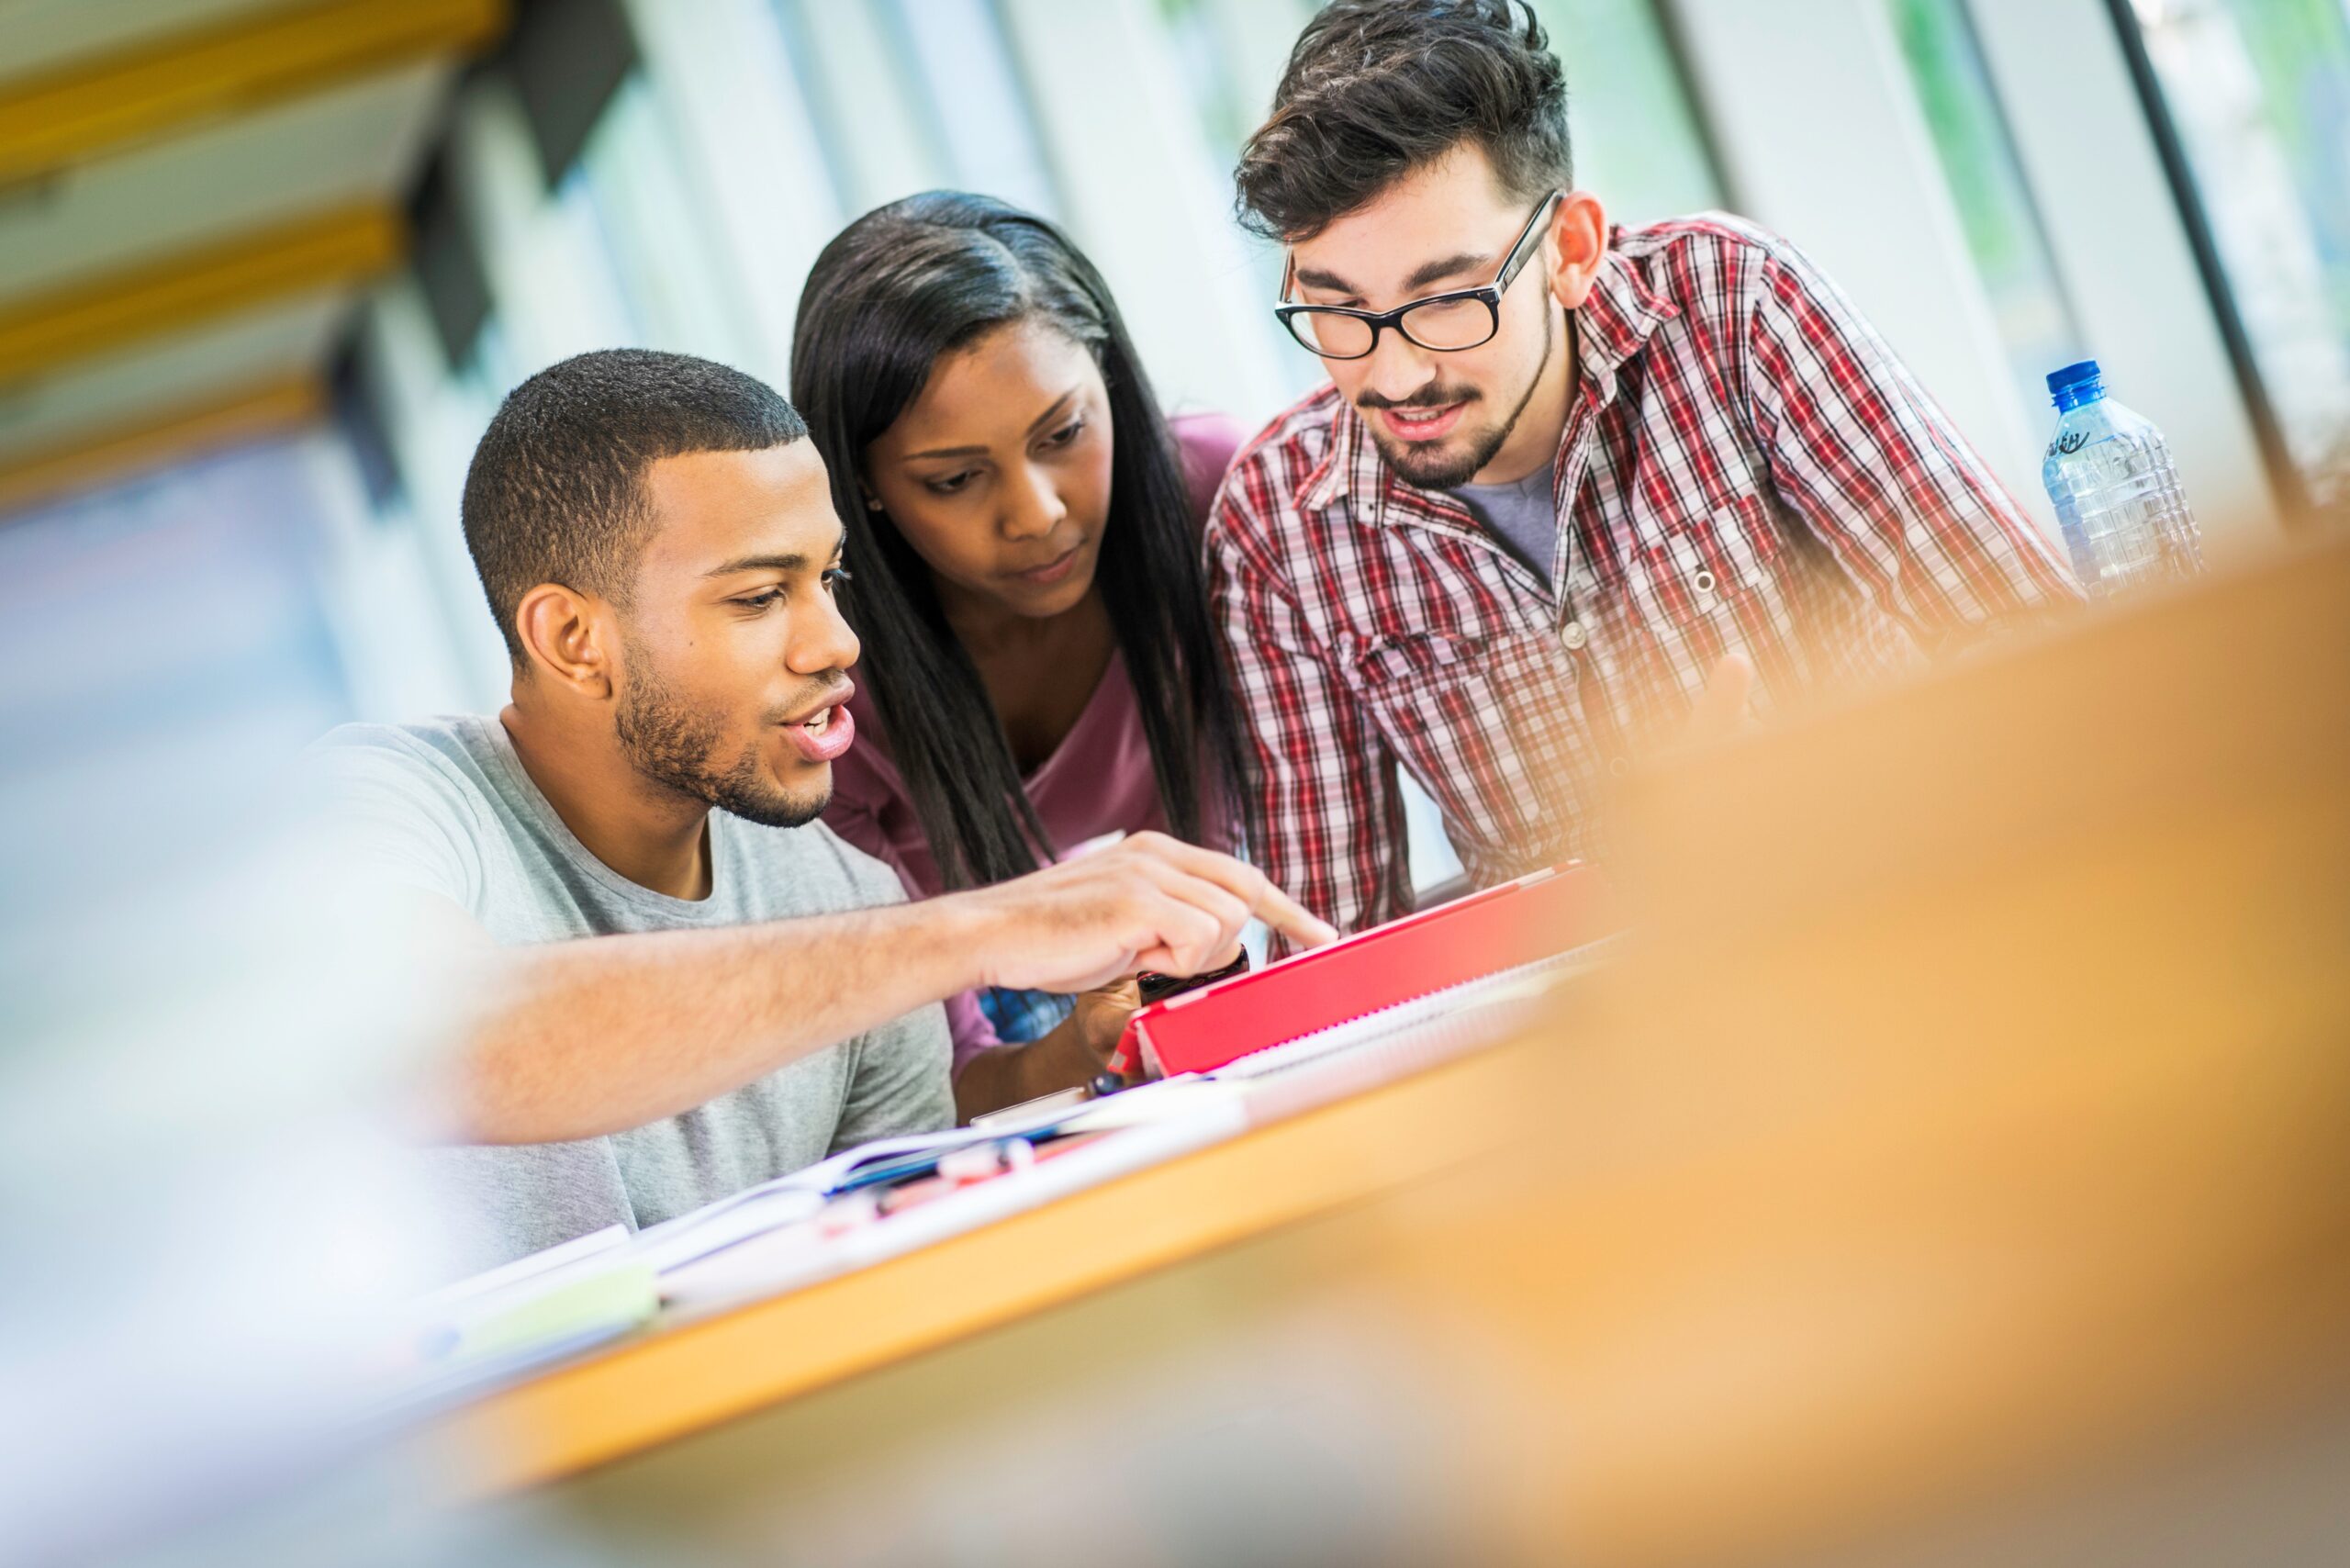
x=1101 y=1017
x=1075 y=1052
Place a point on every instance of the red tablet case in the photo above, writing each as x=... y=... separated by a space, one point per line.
x=1535 y=917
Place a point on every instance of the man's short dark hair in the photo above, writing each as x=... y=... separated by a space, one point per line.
x=556 y=490
x=1377 y=88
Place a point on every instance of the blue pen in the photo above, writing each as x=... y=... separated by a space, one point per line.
x=912 y=1165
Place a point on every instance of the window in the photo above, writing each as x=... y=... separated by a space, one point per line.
x=629 y=196
x=2256 y=93
x=972 y=99
x=876 y=140
x=1227 y=54
x=1231 y=55
x=2002 y=226
x=1637 y=142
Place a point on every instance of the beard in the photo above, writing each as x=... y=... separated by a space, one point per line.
x=676 y=745
x=1440 y=465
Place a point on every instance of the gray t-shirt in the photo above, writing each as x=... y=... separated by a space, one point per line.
x=1521 y=515
x=445 y=806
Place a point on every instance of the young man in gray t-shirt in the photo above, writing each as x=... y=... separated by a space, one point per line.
x=679 y=982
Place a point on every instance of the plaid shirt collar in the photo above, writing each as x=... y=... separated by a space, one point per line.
x=1614 y=324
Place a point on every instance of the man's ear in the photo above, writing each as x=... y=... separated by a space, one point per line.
x=1578 y=246
x=566 y=638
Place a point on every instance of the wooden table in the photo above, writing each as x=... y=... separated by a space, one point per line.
x=677 y=1381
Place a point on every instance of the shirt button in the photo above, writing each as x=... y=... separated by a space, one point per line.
x=1619 y=765
x=1574 y=635
x=1704 y=583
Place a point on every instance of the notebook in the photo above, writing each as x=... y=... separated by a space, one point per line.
x=1502 y=928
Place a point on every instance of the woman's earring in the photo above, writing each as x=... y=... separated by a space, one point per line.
x=872 y=503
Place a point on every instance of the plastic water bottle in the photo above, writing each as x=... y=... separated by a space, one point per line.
x=2117 y=493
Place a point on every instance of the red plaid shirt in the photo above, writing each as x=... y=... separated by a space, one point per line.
x=1745 y=468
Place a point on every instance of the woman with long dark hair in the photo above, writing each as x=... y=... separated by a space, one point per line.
x=1039 y=670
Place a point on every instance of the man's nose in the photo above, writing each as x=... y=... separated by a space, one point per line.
x=821 y=640
x=1397 y=367
x=1033 y=507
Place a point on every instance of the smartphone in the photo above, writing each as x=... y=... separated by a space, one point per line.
x=1156 y=987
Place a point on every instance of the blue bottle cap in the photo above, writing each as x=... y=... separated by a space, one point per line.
x=2074 y=376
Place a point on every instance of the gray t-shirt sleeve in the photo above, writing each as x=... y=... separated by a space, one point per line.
x=394 y=814
x=901 y=1082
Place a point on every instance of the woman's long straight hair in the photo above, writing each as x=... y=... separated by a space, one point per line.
x=893 y=293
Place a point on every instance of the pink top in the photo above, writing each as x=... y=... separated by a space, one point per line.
x=1097 y=782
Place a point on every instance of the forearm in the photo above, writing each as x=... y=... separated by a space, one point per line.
x=576 y=1040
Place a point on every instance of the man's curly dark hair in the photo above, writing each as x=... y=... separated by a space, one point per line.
x=1377 y=88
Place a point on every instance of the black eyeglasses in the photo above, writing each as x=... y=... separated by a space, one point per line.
x=1462 y=318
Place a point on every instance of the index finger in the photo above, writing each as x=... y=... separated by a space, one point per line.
x=1290 y=918
x=1269 y=903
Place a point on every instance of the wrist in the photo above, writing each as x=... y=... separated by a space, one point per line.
x=956 y=934
x=1059 y=1059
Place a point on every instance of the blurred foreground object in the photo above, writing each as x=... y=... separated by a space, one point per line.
x=1965 y=1133
x=206 y=1217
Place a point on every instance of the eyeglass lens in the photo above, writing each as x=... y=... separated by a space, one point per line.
x=1440 y=324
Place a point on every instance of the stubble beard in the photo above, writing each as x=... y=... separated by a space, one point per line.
x=1431 y=468
x=672 y=745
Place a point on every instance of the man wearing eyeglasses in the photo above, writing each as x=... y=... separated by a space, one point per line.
x=1568 y=481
